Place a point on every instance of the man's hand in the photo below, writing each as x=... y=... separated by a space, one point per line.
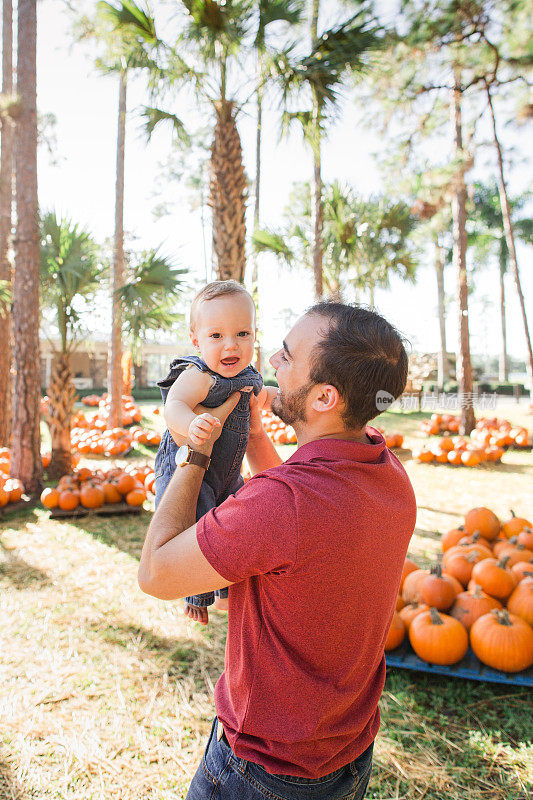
x=256 y=405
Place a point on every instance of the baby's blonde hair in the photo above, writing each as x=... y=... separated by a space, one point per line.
x=213 y=290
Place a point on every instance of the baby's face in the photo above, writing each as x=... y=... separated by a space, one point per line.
x=224 y=331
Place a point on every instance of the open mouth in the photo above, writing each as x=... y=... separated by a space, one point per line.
x=230 y=361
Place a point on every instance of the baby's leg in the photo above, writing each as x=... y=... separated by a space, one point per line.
x=196 y=606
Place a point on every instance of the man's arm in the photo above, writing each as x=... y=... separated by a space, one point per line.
x=172 y=564
x=261 y=453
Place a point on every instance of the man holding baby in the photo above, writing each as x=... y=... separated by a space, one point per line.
x=312 y=550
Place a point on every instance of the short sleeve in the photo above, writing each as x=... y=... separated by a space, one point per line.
x=253 y=532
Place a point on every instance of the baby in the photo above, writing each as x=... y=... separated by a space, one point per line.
x=222 y=329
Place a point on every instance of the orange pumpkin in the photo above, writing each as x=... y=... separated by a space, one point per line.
x=69 y=499
x=411 y=585
x=521 y=600
x=470 y=459
x=136 y=497
x=50 y=498
x=502 y=641
x=410 y=611
x=92 y=496
x=451 y=538
x=438 y=638
x=525 y=537
x=437 y=589
x=408 y=566
x=396 y=633
x=4 y=497
x=515 y=554
x=483 y=520
x=111 y=493
x=471 y=605
x=494 y=577
x=524 y=569
x=125 y=483
x=14 y=488
x=513 y=526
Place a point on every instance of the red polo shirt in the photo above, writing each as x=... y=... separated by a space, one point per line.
x=315 y=549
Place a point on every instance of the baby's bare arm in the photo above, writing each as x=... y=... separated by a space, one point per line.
x=190 y=388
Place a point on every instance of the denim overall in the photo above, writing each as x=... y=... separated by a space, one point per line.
x=223 y=477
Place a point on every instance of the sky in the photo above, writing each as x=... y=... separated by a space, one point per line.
x=79 y=182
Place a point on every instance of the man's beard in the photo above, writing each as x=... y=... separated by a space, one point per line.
x=290 y=408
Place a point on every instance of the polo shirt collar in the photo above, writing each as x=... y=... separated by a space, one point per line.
x=341 y=449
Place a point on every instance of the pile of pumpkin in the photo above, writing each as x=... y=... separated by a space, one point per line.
x=11 y=489
x=277 y=431
x=499 y=433
x=440 y=423
x=491 y=432
x=94 y=488
x=458 y=451
x=95 y=442
x=91 y=400
x=485 y=587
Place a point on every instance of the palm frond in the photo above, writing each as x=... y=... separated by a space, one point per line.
x=128 y=16
x=272 y=11
x=265 y=241
x=155 y=116
x=6 y=298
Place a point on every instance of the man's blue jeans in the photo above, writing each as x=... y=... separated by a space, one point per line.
x=223 y=776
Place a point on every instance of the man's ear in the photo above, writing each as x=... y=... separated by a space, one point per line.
x=326 y=399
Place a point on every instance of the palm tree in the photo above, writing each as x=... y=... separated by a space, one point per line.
x=269 y=11
x=70 y=274
x=6 y=202
x=147 y=300
x=26 y=437
x=365 y=242
x=128 y=33
x=488 y=238
x=217 y=36
x=316 y=78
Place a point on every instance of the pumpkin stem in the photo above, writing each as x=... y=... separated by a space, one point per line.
x=502 y=615
x=477 y=591
x=436 y=618
x=513 y=514
x=436 y=569
x=513 y=540
x=503 y=561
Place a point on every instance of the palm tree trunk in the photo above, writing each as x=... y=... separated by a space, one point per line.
x=509 y=237
x=442 y=366
x=26 y=439
x=62 y=395
x=114 y=380
x=257 y=196
x=6 y=201
x=317 y=207
x=228 y=196
x=464 y=365
x=503 y=370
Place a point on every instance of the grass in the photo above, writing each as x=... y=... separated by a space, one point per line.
x=107 y=693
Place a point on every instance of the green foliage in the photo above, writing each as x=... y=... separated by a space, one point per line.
x=6 y=297
x=149 y=296
x=365 y=241
x=485 y=224
x=69 y=272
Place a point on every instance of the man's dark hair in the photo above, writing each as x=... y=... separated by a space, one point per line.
x=363 y=356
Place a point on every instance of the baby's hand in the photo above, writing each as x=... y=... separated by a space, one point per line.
x=201 y=428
